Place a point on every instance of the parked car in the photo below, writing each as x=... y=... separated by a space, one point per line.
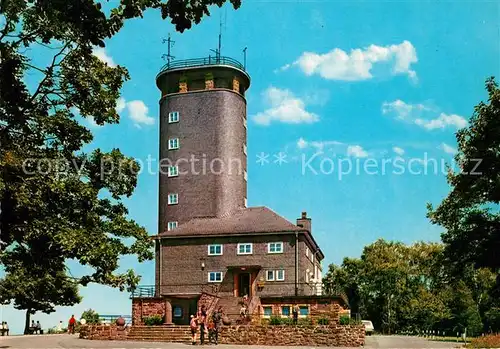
x=368 y=326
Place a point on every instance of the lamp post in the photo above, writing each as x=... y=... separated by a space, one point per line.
x=202 y=267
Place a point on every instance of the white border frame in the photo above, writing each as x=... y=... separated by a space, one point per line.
x=172 y=203
x=178 y=143
x=277 y=242
x=215 y=272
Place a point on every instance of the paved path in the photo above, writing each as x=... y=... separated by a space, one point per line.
x=73 y=342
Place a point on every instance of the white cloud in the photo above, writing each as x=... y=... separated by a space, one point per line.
x=357 y=65
x=356 y=151
x=319 y=145
x=447 y=148
x=137 y=111
x=422 y=115
x=100 y=52
x=398 y=150
x=284 y=107
x=442 y=121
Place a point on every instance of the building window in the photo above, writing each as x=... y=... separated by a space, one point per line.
x=245 y=203
x=245 y=175
x=285 y=310
x=214 y=250
x=244 y=248
x=244 y=149
x=215 y=276
x=173 y=116
x=173 y=199
x=270 y=275
x=245 y=122
x=173 y=143
x=177 y=311
x=307 y=276
x=307 y=251
x=312 y=258
x=275 y=247
x=171 y=225
x=280 y=275
x=173 y=171
x=268 y=311
x=303 y=310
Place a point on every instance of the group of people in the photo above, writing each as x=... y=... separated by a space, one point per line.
x=210 y=326
x=36 y=328
x=4 y=328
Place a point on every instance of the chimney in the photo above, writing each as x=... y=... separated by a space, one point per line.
x=304 y=222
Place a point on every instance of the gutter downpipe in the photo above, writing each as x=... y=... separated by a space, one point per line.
x=296 y=263
x=161 y=267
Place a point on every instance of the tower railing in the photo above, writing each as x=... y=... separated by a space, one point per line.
x=199 y=62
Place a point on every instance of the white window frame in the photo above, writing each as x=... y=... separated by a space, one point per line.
x=245 y=149
x=308 y=311
x=216 y=254
x=215 y=278
x=173 y=146
x=307 y=251
x=245 y=176
x=307 y=276
x=275 y=243
x=170 y=199
x=244 y=244
x=312 y=258
x=289 y=311
x=172 y=225
x=246 y=203
x=277 y=272
x=267 y=275
x=245 y=122
x=264 y=312
x=171 y=118
x=175 y=174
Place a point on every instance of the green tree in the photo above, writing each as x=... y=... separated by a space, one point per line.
x=470 y=213
x=90 y=316
x=57 y=202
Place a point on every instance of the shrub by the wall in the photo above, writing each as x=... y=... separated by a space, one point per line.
x=154 y=320
x=323 y=321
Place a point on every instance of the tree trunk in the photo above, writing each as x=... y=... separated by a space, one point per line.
x=27 y=321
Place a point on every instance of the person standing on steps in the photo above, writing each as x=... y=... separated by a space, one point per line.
x=202 y=318
x=194 y=327
x=217 y=317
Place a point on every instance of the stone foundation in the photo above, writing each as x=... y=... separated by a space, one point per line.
x=335 y=335
x=104 y=332
x=144 y=307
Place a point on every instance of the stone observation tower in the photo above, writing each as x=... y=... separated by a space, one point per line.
x=203 y=137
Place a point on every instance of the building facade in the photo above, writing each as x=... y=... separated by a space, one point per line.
x=209 y=241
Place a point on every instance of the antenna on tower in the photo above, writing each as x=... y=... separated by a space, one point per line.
x=217 y=51
x=170 y=43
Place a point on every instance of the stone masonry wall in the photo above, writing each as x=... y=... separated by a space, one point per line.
x=342 y=336
x=336 y=335
x=103 y=332
x=144 y=307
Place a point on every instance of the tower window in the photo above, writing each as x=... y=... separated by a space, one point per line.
x=173 y=171
x=245 y=175
x=245 y=202
x=245 y=122
x=173 y=199
x=244 y=149
x=171 y=225
x=173 y=143
x=173 y=116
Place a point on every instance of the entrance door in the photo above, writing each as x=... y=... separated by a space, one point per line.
x=244 y=282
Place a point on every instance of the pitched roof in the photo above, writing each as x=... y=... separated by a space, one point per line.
x=244 y=221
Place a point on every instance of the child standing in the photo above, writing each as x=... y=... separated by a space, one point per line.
x=194 y=327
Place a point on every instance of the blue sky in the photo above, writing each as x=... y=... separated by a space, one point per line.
x=357 y=81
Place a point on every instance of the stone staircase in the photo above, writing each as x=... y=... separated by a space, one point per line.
x=231 y=307
x=174 y=334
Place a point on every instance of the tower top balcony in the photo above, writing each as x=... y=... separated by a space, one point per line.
x=188 y=75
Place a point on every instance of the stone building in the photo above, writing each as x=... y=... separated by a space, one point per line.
x=212 y=248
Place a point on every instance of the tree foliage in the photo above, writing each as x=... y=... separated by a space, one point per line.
x=470 y=213
x=59 y=203
x=407 y=288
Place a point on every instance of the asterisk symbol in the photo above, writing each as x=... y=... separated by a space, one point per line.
x=262 y=158
x=280 y=158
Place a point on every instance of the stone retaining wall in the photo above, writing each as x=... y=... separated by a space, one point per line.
x=104 y=332
x=144 y=307
x=334 y=335
x=338 y=336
